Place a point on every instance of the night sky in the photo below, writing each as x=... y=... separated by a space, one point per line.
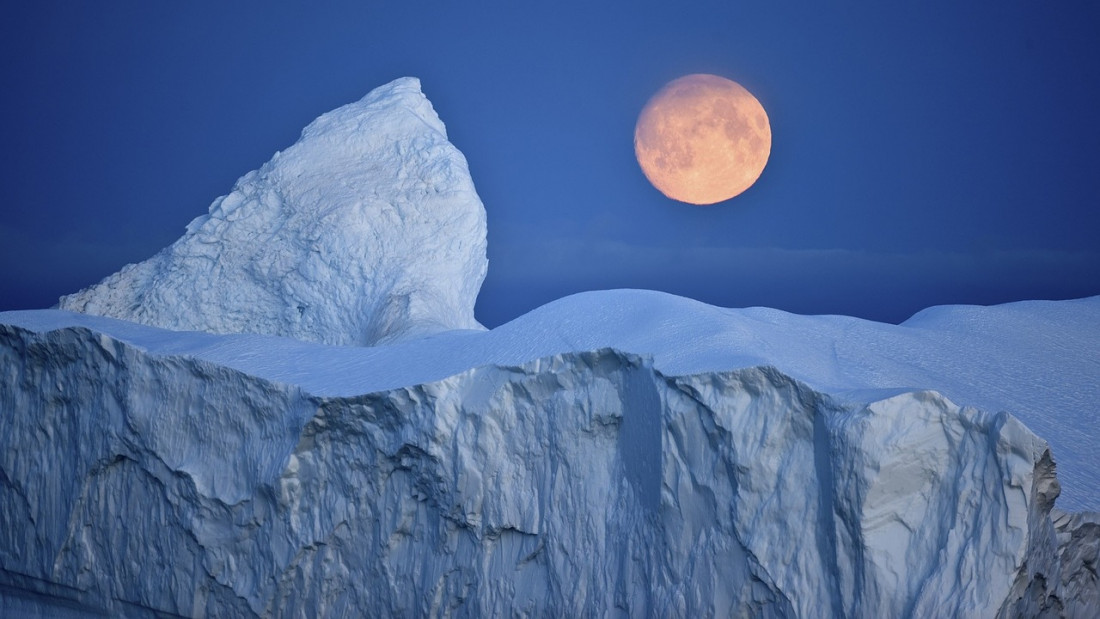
x=944 y=152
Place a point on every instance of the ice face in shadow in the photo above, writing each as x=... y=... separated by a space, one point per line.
x=367 y=229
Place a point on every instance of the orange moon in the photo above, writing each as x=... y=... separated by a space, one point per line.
x=702 y=139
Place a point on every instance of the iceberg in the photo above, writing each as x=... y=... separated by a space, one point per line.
x=189 y=443
x=567 y=469
x=368 y=229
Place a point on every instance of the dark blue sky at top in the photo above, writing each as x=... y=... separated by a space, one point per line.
x=930 y=153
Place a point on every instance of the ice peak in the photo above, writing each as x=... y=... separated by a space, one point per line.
x=367 y=229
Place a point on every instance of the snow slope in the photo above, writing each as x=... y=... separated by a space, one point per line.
x=365 y=230
x=621 y=452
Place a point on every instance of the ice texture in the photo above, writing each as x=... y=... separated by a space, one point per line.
x=367 y=229
x=579 y=461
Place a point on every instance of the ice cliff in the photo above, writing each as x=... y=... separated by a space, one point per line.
x=365 y=230
x=674 y=472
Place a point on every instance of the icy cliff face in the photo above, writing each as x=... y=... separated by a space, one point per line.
x=367 y=229
x=140 y=473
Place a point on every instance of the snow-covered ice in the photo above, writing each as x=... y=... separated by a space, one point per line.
x=367 y=229
x=1035 y=359
x=620 y=451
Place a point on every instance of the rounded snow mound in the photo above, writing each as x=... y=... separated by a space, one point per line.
x=366 y=230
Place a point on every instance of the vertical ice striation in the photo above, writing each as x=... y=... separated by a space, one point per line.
x=367 y=229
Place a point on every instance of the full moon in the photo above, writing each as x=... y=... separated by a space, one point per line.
x=702 y=139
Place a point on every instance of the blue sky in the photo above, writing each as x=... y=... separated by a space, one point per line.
x=923 y=154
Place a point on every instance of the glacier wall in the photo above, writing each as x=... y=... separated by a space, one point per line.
x=578 y=484
x=367 y=229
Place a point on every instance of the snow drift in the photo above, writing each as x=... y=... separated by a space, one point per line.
x=367 y=229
